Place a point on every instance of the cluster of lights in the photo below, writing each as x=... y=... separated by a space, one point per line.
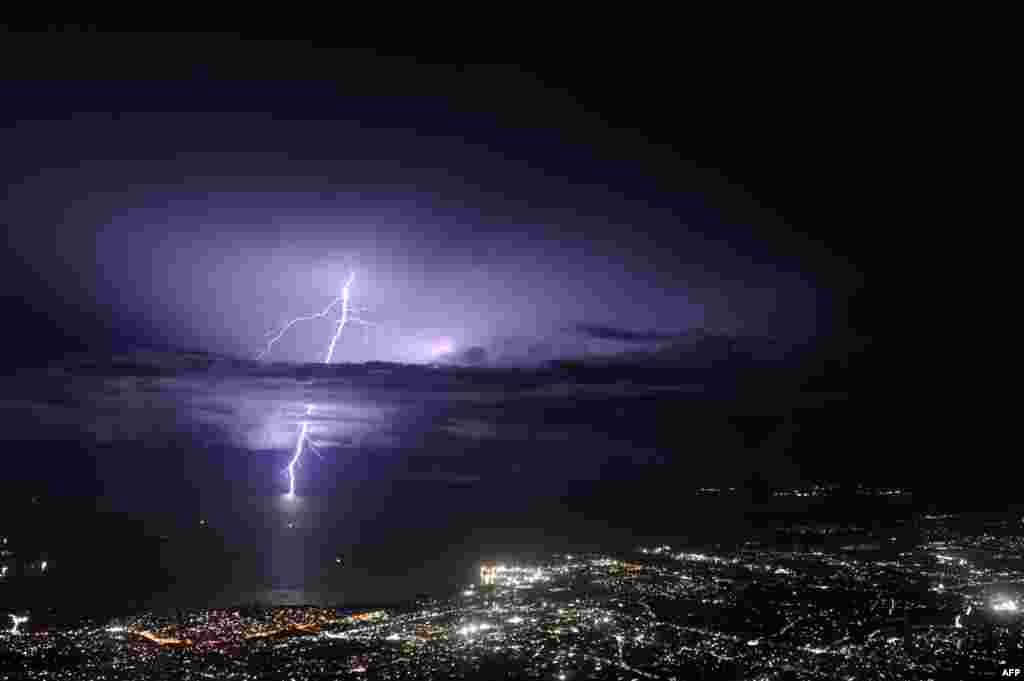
x=699 y=557
x=682 y=556
x=1005 y=605
x=470 y=629
x=17 y=621
x=488 y=573
x=657 y=551
x=163 y=640
x=219 y=627
x=473 y=628
x=371 y=616
x=798 y=493
x=514 y=576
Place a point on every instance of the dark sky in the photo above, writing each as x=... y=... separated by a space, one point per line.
x=192 y=193
x=195 y=192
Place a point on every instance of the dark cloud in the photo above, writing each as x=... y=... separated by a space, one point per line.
x=474 y=356
x=475 y=429
x=151 y=397
x=625 y=335
x=380 y=416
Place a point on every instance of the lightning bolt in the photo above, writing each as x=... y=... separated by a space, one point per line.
x=345 y=296
x=343 y=299
x=340 y=325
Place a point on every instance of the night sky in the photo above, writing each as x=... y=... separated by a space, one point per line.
x=591 y=285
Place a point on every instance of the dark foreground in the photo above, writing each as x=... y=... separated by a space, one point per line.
x=835 y=603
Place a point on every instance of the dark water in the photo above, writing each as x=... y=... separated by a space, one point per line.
x=187 y=528
x=396 y=538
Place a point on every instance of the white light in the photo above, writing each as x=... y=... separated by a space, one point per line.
x=18 y=621
x=1005 y=606
x=43 y=566
x=394 y=637
x=515 y=620
x=441 y=347
x=115 y=630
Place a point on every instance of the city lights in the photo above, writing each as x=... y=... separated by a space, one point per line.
x=1005 y=605
x=592 y=617
x=470 y=629
x=488 y=573
x=17 y=621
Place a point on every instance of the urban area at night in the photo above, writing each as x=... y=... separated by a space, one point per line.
x=938 y=598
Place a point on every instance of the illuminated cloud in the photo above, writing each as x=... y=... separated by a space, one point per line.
x=379 y=412
x=625 y=335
